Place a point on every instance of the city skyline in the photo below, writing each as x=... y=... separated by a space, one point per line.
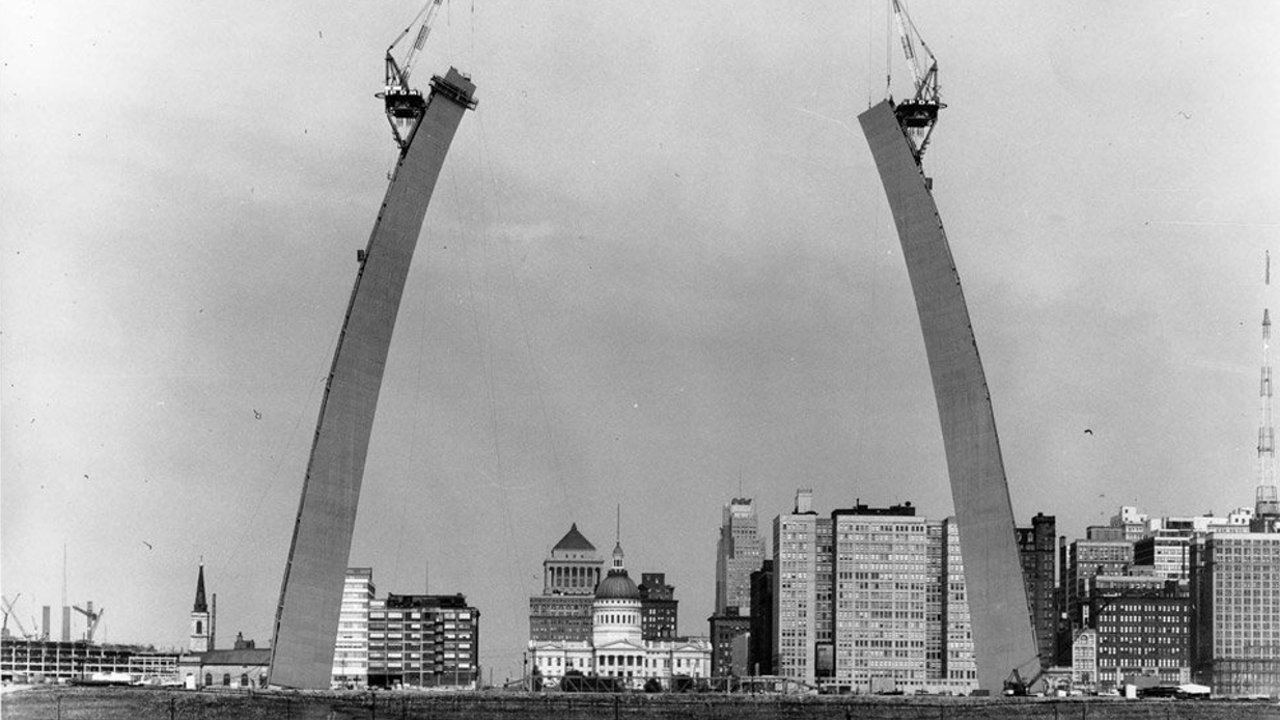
x=659 y=267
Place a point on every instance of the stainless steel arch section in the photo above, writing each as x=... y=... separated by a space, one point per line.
x=1003 y=636
x=306 y=622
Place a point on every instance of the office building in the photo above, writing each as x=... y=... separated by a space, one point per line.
x=1166 y=552
x=659 y=609
x=1235 y=580
x=569 y=577
x=739 y=553
x=730 y=645
x=760 y=652
x=1036 y=547
x=1098 y=554
x=1143 y=628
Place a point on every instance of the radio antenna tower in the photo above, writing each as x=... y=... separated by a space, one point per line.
x=1267 y=502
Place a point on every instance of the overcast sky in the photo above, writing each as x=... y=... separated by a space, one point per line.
x=658 y=267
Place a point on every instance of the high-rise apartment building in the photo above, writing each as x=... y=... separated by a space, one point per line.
x=880 y=571
x=351 y=653
x=824 y=601
x=1235 y=580
x=870 y=600
x=959 y=672
x=569 y=578
x=423 y=641
x=934 y=588
x=795 y=589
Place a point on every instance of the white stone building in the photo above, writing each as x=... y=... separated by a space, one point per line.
x=617 y=648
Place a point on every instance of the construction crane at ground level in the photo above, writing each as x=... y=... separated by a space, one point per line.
x=917 y=115
x=91 y=617
x=10 y=612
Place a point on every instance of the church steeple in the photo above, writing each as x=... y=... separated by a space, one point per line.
x=201 y=618
x=200 y=606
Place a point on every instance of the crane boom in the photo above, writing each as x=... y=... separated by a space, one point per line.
x=908 y=47
x=917 y=115
x=91 y=618
x=10 y=612
x=405 y=104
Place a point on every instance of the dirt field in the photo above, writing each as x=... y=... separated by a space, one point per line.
x=69 y=703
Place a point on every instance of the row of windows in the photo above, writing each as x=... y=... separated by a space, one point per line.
x=418 y=615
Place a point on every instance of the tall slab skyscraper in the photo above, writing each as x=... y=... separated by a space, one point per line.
x=738 y=554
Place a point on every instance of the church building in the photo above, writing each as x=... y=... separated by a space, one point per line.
x=242 y=666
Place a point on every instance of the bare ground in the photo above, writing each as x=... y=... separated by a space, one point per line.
x=76 y=703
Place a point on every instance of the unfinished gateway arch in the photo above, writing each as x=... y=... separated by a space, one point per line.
x=306 y=620
x=1003 y=637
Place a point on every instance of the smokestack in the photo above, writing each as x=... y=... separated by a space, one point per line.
x=44 y=625
x=213 y=621
x=66 y=609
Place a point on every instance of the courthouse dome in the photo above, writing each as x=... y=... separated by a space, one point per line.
x=617 y=586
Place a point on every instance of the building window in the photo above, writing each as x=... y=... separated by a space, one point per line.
x=226 y=679
x=208 y=678
x=244 y=679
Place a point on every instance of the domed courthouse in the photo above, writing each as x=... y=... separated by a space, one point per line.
x=613 y=644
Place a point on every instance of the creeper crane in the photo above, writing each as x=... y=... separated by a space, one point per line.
x=917 y=115
x=405 y=104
